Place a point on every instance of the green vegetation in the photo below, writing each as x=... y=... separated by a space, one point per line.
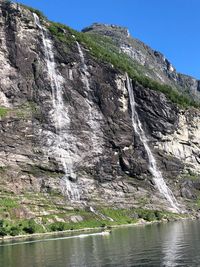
x=124 y=216
x=33 y=10
x=7 y=203
x=3 y=228
x=63 y=226
x=32 y=227
x=21 y=227
x=192 y=177
x=8 y=206
x=3 y=112
x=60 y=219
x=49 y=213
x=59 y=31
x=14 y=230
x=151 y=215
x=103 y=49
x=120 y=216
x=194 y=204
x=25 y=111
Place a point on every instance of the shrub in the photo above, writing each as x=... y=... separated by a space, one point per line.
x=147 y=215
x=31 y=227
x=150 y=216
x=14 y=230
x=57 y=226
x=158 y=215
x=3 y=228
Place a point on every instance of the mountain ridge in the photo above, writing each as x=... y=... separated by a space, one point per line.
x=163 y=70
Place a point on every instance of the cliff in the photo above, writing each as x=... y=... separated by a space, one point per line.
x=66 y=121
x=155 y=64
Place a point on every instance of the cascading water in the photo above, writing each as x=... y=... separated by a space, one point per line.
x=60 y=114
x=157 y=175
x=93 y=117
x=84 y=75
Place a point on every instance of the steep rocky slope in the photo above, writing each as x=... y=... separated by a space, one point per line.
x=156 y=65
x=81 y=137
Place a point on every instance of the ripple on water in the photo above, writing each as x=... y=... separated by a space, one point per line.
x=167 y=245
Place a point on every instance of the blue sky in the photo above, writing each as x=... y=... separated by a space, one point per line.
x=169 y=26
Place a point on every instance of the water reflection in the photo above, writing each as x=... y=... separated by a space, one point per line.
x=171 y=244
x=173 y=239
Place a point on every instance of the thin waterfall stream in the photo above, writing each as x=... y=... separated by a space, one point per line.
x=93 y=117
x=60 y=114
x=85 y=73
x=157 y=175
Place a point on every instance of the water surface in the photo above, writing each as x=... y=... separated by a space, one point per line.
x=171 y=244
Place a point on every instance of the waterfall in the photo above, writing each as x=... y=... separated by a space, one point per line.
x=157 y=175
x=84 y=75
x=60 y=114
x=93 y=116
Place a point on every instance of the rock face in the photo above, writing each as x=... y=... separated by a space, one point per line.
x=106 y=155
x=156 y=65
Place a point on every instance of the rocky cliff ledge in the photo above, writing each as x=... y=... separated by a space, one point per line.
x=106 y=160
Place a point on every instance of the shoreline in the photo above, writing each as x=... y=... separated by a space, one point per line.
x=87 y=229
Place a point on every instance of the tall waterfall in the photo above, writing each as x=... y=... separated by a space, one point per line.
x=157 y=175
x=93 y=116
x=60 y=114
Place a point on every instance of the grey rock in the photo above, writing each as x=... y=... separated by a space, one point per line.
x=76 y=219
x=109 y=160
x=187 y=190
x=155 y=64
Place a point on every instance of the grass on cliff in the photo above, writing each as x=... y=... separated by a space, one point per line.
x=8 y=203
x=42 y=224
x=33 y=10
x=3 y=112
x=103 y=49
x=25 y=111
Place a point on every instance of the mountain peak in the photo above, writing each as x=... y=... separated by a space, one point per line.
x=108 y=29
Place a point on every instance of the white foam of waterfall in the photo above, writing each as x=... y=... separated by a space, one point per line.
x=93 y=116
x=60 y=114
x=85 y=74
x=157 y=175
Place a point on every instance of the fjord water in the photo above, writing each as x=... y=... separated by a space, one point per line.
x=60 y=114
x=169 y=245
x=157 y=175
